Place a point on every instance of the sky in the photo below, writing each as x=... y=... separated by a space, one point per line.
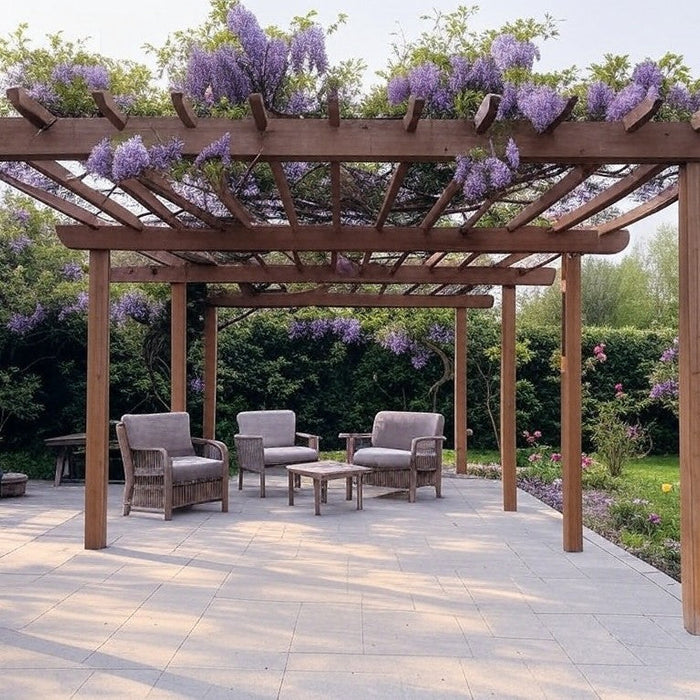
x=588 y=29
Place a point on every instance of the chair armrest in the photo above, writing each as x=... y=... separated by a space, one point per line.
x=427 y=446
x=250 y=452
x=213 y=449
x=350 y=439
x=151 y=461
x=312 y=440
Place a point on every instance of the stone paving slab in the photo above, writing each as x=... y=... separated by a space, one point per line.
x=443 y=598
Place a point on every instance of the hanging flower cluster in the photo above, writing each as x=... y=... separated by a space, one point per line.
x=481 y=176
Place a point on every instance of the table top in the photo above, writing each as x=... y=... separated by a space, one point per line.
x=64 y=440
x=327 y=468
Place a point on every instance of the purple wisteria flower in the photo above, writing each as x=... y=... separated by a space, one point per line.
x=398 y=89
x=425 y=80
x=348 y=330
x=460 y=68
x=21 y=324
x=130 y=159
x=21 y=216
x=625 y=101
x=397 y=341
x=509 y=52
x=485 y=75
x=244 y=25
x=227 y=79
x=419 y=355
x=197 y=385
x=669 y=387
x=217 y=150
x=308 y=48
x=79 y=306
x=19 y=244
x=508 y=106
x=599 y=97
x=648 y=75
x=137 y=306
x=95 y=77
x=438 y=333
x=162 y=156
x=72 y=271
x=512 y=154
x=540 y=104
x=44 y=94
x=100 y=160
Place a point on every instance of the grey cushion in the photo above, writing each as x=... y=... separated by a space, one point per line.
x=277 y=428
x=383 y=457
x=396 y=429
x=168 y=430
x=195 y=468
x=289 y=455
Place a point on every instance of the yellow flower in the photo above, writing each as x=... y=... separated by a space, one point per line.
x=666 y=487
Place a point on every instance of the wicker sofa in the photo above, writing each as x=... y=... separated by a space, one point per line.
x=268 y=439
x=165 y=468
x=405 y=451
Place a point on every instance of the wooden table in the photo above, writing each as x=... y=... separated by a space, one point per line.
x=68 y=446
x=321 y=473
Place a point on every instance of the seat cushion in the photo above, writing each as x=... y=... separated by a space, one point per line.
x=277 y=428
x=170 y=431
x=382 y=458
x=195 y=468
x=295 y=454
x=396 y=429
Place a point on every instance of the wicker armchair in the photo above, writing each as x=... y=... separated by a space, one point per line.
x=405 y=451
x=165 y=468
x=268 y=439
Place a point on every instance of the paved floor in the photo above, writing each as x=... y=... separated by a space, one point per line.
x=449 y=598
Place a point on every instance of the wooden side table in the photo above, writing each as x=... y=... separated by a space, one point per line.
x=321 y=473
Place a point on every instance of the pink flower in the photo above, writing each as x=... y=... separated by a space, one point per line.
x=586 y=461
x=535 y=457
x=618 y=387
x=537 y=434
x=556 y=457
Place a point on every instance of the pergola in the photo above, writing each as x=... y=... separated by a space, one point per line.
x=443 y=257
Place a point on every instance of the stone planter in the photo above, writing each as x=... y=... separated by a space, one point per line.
x=13 y=484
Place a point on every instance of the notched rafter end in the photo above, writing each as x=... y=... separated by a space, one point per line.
x=413 y=113
x=486 y=114
x=109 y=109
x=184 y=109
x=35 y=113
x=257 y=108
x=641 y=114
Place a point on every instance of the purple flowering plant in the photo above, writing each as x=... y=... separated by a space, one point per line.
x=664 y=379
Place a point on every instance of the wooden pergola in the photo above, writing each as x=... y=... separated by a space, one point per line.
x=442 y=255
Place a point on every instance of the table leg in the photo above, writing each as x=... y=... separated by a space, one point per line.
x=291 y=488
x=317 y=496
x=359 y=492
x=348 y=489
x=324 y=491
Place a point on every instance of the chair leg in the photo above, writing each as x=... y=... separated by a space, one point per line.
x=262 y=484
x=240 y=478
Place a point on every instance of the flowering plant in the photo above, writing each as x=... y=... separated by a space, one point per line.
x=664 y=379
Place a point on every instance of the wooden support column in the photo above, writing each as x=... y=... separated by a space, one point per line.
x=689 y=366
x=507 y=437
x=571 y=402
x=210 y=378
x=460 y=391
x=178 y=346
x=97 y=418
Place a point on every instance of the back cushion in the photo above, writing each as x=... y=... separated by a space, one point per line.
x=396 y=429
x=168 y=430
x=277 y=428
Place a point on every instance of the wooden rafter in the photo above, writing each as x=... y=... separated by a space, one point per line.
x=333 y=110
x=335 y=192
x=395 y=183
x=563 y=115
x=477 y=215
x=325 y=299
x=614 y=193
x=150 y=202
x=36 y=114
x=641 y=114
x=109 y=109
x=529 y=239
x=257 y=109
x=661 y=201
x=285 y=193
x=65 y=178
x=439 y=207
x=486 y=114
x=231 y=202
x=184 y=110
x=413 y=113
x=568 y=183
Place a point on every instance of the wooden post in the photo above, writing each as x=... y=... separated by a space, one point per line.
x=507 y=438
x=97 y=418
x=689 y=382
x=210 y=358
x=571 y=402
x=460 y=391
x=178 y=346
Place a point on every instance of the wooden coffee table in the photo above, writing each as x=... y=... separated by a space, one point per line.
x=322 y=473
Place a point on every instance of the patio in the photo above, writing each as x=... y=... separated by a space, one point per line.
x=441 y=598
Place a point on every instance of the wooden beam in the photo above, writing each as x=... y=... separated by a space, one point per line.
x=335 y=192
x=571 y=404
x=36 y=114
x=360 y=140
x=439 y=207
x=51 y=200
x=257 y=108
x=486 y=114
x=109 y=109
x=210 y=372
x=262 y=238
x=460 y=391
x=65 y=178
x=476 y=215
x=97 y=419
x=563 y=115
x=413 y=112
x=327 y=274
x=231 y=202
x=184 y=110
x=689 y=383
x=641 y=114
x=330 y=300
x=333 y=110
x=149 y=201
x=285 y=193
x=507 y=410
x=395 y=183
x=567 y=184
x=655 y=204
x=610 y=196
x=178 y=347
